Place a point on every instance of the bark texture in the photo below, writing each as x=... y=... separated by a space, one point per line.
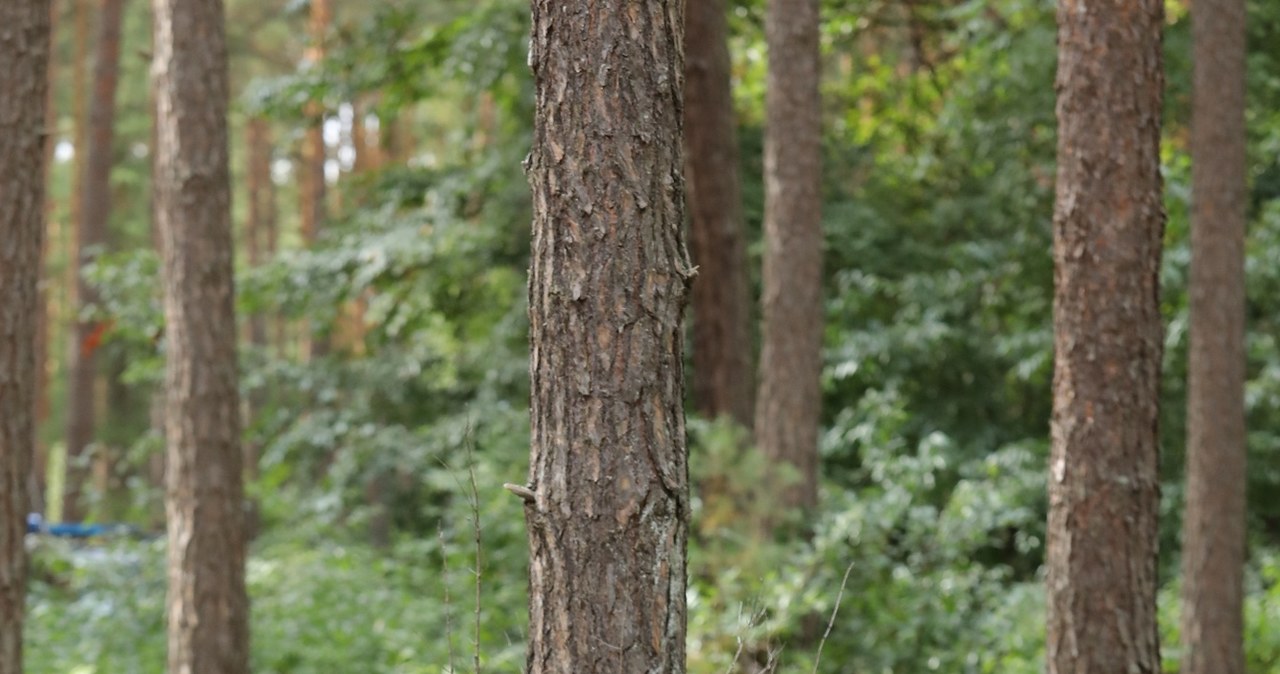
x=24 y=57
x=1108 y=338
x=1214 y=524
x=207 y=605
x=95 y=214
x=723 y=380
x=608 y=516
x=790 y=399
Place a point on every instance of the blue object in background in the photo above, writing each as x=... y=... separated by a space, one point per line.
x=36 y=525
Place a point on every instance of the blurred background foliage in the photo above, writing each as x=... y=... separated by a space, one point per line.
x=940 y=142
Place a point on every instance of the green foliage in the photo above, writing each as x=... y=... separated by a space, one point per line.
x=939 y=192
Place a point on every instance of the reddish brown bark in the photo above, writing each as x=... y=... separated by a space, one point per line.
x=723 y=380
x=790 y=399
x=24 y=56
x=207 y=605
x=1213 y=538
x=1104 y=488
x=312 y=192
x=609 y=503
x=95 y=212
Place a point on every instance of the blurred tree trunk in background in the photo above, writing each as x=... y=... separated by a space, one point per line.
x=1104 y=489
x=609 y=508
x=258 y=224
x=314 y=155
x=723 y=379
x=207 y=606
x=1214 y=524
x=40 y=463
x=260 y=210
x=24 y=57
x=789 y=403
x=95 y=215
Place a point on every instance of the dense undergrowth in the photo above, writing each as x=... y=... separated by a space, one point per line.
x=939 y=278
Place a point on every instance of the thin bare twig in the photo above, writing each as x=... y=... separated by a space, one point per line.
x=834 y=610
x=448 y=612
x=475 y=528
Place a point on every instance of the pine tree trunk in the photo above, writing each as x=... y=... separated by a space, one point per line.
x=95 y=212
x=609 y=507
x=207 y=605
x=1214 y=524
x=258 y=160
x=789 y=405
x=43 y=333
x=723 y=380
x=24 y=57
x=1104 y=488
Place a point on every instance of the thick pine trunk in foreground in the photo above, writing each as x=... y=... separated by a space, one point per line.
x=1213 y=538
x=1104 y=489
x=789 y=404
x=95 y=213
x=608 y=514
x=723 y=380
x=24 y=57
x=207 y=605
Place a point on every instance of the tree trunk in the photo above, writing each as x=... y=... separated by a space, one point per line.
x=1104 y=488
x=258 y=159
x=314 y=155
x=790 y=400
x=313 y=150
x=1213 y=534
x=723 y=381
x=95 y=212
x=609 y=507
x=207 y=605
x=24 y=57
x=40 y=462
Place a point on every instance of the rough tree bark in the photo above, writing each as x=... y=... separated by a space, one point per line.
x=1104 y=488
x=789 y=404
x=207 y=605
x=24 y=57
x=1213 y=535
x=95 y=212
x=608 y=508
x=723 y=380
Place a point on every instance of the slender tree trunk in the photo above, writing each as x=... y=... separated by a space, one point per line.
x=95 y=211
x=314 y=156
x=609 y=507
x=207 y=605
x=24 y=57
x=258 y=159
x=1214 y=525
x=790 y=400
x=723 y=382
x=258 y=137
x=313 y=150
x=43 y=332
x=1104 y=488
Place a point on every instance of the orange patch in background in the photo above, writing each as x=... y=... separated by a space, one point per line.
x=94 y=339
